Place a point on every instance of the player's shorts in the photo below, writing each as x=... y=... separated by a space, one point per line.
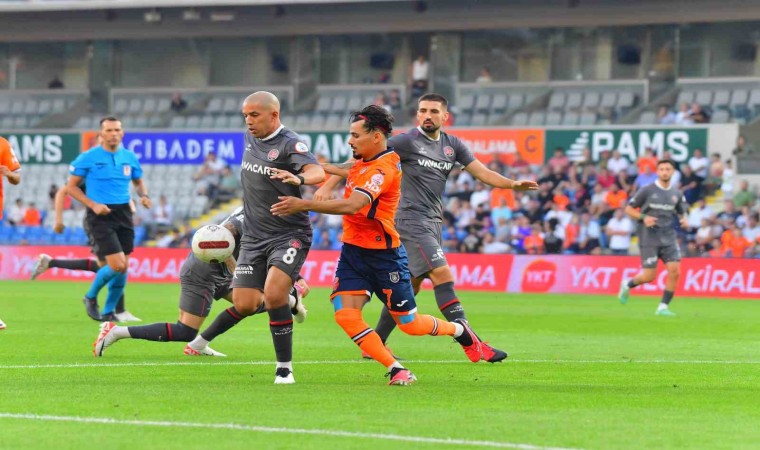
x=200 y=284
x=422 y=240
x=667 y=253
x=287 y=252
x=384 y=273
x=112 y=233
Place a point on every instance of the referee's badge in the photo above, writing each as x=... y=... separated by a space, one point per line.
x=127 y=170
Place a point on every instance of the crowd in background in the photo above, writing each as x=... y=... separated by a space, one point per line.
x=578 y=208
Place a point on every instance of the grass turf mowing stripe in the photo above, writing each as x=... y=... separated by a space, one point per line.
x=260 y=429
x=350 y=361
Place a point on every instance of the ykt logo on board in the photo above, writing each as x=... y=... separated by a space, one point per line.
x=539 y=276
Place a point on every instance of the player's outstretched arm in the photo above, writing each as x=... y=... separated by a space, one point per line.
x=343 y=206
x=13 y=177
x=58 y=203
x=310 y=174
x=491 y=178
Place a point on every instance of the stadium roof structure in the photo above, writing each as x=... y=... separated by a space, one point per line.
x=68 y=5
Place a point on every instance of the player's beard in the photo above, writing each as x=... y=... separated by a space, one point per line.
x=431 y=128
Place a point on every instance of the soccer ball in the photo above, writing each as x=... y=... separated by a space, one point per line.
x=213 y=244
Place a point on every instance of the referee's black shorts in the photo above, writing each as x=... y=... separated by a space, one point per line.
x=112 y=233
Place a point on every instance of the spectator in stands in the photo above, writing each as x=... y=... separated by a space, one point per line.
x=727 y=179
x=163 y=214
x=699 y=115
x=647 y=160
x=752 y=230
x=502 y=229
x=665 y=116
x=229 y=186
x=394 y=101
x=419 y=75
x=704 y=236
x=691 y=185
x=715 y=175
x=16 y=213
x=699 y=212
x=208 y=176
x=743 y=147
x=683 y=116
x=589 y=235
x=178 y=103
x=616 y=197
x=380 y=101
x=471 y=242
x=559 y=162
x=699 y=164
x=493 y=246
x=520 y=231
x=598 y=200
x=645 y=178
x=617 y=163
x=554 y=235
x=56 y=83
x=734 y=244
x=485 y=76
x=534 y=243
x=619 y=229
x=32 y=216
x=715 y=250
x=744 y=197
x=604 y=159
x=605 y=178
x=729 y=211
x=324 y=243
x=480 y=196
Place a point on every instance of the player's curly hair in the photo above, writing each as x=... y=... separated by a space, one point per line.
x=376 y=118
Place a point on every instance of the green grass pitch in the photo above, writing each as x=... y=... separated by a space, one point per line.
x=584 y=373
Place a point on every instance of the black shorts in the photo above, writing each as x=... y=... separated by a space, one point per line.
x=667 y=253
x=196 y=298
x=287 y=252
x=112 y=233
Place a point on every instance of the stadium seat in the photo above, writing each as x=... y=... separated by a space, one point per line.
x=520 y=119
x=570 y=118
x=339 y=105
x=120 y=106
x=591 y=100
x=685 y=97
x=537 y=118
x=574 y=100
x=466 y=103
x=556 y=101
x=483 y=103
x=553 y=118
x=323 y=104
x=647 y=117
x=499 y=104
x=704 y=97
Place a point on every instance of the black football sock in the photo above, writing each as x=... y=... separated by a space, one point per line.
x=281 y=327
x=163 y=332
x=223 y=322
x=448 y=302
x=89 y=264
x=667 y=296
x=385 y=324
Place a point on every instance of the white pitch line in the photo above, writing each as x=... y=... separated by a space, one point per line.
x=350 y=361
x=260 y=429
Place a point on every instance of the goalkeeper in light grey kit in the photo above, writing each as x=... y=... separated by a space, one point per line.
x=656 y=207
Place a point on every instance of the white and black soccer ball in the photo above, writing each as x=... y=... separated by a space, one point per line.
x=213 y=243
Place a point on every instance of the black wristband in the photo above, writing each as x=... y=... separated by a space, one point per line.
x=300 y=177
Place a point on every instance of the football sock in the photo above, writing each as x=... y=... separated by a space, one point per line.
x=223 y=322
x=448 y=302
x=385 y=324
x=120 y=308
x=115 y=290
x=632 y=283
x=88 y=264
x=281 y=327
x=103 y=276
x=350 y=319
x=462 y=337
x=421 y=324
x=667 y=296
x=163 y=332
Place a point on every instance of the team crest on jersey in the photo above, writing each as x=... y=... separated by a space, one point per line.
x=448 y=151
x=301 y=147
x=394 y=276
x=127 y=170
x=377 y=179
x=295 y=243
x=273 y=154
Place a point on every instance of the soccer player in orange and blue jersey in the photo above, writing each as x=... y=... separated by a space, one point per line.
x=372 y=260
x=10 y=168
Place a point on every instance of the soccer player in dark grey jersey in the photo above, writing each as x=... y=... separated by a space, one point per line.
x=656 y=207
x=200 y=284
x=273 y=249
x=427 y=157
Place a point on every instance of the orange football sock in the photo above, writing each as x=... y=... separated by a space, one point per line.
x=421 y=324
x=350 y=319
